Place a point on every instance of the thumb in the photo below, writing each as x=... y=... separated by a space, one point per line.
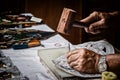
x=91 y=18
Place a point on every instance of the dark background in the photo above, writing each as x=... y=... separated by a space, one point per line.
x=50 y=11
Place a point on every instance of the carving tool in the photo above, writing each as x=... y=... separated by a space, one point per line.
x=23 y=45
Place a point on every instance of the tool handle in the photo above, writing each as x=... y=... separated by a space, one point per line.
x=34 y=42
x=20 y=45
x=80 y=24
x=23 y=45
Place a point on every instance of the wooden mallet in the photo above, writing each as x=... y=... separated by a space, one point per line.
x=67 y=21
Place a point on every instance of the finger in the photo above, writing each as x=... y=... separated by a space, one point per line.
x=97 y=27
x=87 y=30
x=78 y=68
x=78 y=62
x=91 y=18
x=72 y=58
x=72 y=64
x=72 y=53
x=92 y=32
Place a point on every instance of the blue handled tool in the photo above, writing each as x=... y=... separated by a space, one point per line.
x=23 y=45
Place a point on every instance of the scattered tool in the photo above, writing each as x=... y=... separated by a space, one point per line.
x=19 y=37
x=109 y=76
x=22 y=45
x=67 y=21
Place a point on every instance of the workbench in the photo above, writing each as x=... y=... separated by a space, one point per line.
x=28 y=61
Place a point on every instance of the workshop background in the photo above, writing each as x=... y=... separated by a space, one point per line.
x=50 y=11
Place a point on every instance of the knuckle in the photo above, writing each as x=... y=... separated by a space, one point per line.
x=83 y=50
x=95 y=13
x=79 y=68
x=87 y=30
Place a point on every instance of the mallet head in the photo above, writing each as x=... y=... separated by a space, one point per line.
x=66 y=21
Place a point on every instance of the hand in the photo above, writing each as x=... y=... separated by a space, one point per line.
x=98 y=21
x=83 y=60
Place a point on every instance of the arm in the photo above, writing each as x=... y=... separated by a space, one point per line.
x=86 y=61
x=113 y=62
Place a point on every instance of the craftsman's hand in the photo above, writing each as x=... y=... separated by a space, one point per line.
x=83 y=60
x=98 y=21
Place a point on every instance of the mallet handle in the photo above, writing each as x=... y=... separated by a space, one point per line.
x=80 y=24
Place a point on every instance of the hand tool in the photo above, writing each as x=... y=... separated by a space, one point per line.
x=22 y=45
x=67 y=21
x=109 y=76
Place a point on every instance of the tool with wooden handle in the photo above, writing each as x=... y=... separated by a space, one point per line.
x=67 y=21
x=23 y=45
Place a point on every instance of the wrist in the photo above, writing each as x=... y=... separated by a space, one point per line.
x=102 y=64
